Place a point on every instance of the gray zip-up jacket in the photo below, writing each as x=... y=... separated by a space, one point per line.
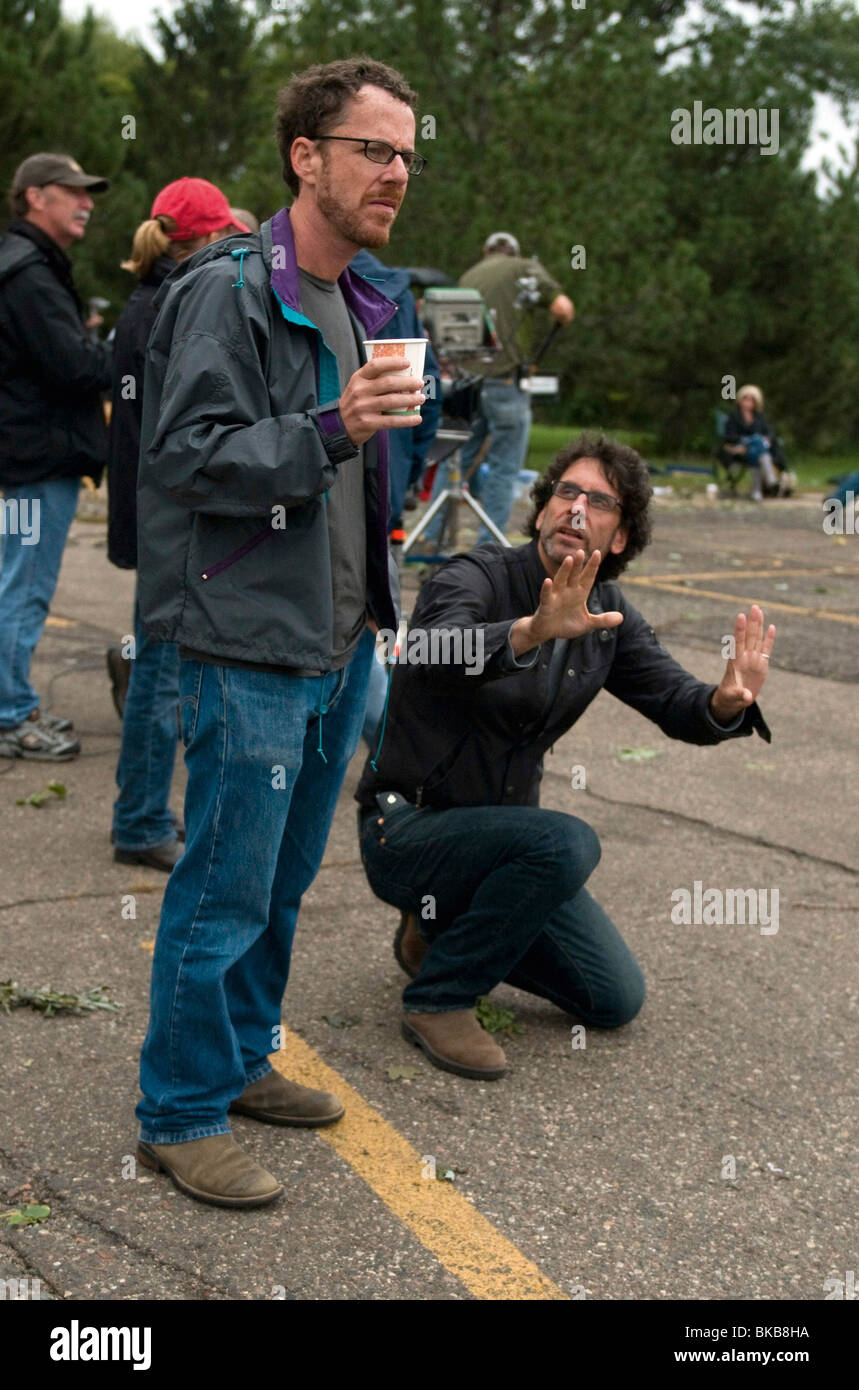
x=237 y=454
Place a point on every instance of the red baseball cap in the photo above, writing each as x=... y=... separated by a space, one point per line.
x=197 y=207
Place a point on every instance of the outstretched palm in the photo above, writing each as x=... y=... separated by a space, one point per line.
x=563 y=607
x=746 y=671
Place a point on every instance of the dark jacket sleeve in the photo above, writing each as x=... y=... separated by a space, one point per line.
x=132 y=333
x=459 y=600
x=215 y=447
x=45 y=321
x=733 y=430
x=646 y=677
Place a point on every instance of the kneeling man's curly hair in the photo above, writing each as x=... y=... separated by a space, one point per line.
x=627 y=473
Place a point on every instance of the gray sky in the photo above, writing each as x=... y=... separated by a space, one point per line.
x=135 y=17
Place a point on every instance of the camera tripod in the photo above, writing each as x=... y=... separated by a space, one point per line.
x=454 y=495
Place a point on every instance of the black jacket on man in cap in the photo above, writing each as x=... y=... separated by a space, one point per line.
x=129 y=359
x=454 y=737
x=51 y=373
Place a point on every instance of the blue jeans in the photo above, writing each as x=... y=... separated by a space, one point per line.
x=505 y=415
x=506 y=884
x=141 y=815
x=28 y=579
x=258 y=809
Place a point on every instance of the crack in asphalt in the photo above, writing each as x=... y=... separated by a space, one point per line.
x=747 y=838
x=122 y=1239
x=57 y=898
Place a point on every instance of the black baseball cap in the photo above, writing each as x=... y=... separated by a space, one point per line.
x=40 y=169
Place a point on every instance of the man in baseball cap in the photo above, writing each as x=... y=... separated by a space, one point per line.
x=52 y=429
x=42 y=169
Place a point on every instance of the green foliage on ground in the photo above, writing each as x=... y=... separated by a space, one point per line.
x=49 y=1001
x=31 y=1214
x=496 y=1019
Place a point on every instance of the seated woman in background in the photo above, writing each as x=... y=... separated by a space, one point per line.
x=748 y=436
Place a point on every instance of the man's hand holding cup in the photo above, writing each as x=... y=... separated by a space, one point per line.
x=387 y=392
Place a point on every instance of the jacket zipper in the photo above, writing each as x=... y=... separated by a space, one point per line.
x=237 y=554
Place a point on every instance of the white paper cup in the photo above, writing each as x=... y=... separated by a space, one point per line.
x=412 y=348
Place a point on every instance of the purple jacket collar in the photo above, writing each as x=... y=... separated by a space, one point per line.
x=370 y=307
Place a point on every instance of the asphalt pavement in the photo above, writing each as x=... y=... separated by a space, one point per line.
x=705 y=1151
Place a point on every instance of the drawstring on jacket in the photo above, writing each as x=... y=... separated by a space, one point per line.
x=323 y=709
x=239 y=255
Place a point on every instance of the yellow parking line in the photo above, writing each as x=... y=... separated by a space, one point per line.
x=678 y=578
x=448 y=1226
x=445 y=1223
x=767 y=605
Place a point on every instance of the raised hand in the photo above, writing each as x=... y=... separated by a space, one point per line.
x=746 y=671
x=563 y=607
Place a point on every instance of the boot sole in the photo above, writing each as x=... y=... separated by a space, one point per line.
x=471 y=1073
x=151 y=1160
x=270 y=1117
x=33 y=756
x=130 y=856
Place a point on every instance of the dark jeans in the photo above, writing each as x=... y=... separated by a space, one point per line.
x=510 y=904
x=150 y=736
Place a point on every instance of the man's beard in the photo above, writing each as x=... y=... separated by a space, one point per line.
x=559 y=552
x=348 y=222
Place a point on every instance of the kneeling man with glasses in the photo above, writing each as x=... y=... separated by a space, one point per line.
x=450 y=799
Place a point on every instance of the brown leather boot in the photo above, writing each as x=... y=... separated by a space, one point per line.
x=409 y=946
x=276 y=1101
x=213 y=1170
x=456 y=1042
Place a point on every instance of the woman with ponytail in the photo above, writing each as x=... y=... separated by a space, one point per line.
x=187 y=216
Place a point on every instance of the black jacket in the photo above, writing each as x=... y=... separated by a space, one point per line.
x=454 y=739
x=51 y=419
x=129 y=358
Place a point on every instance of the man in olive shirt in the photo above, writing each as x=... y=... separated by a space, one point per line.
x=512 y=286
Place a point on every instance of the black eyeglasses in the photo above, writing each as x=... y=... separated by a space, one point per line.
x=380 y=152
x=600 y=501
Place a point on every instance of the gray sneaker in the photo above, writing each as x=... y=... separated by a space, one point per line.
x=55 y=722
x=33 y=739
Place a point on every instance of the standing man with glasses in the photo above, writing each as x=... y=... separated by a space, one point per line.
x=451 y=813
x=263 y=551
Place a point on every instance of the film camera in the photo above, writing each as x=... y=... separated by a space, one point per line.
x=464 y=340
x=463 y=337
